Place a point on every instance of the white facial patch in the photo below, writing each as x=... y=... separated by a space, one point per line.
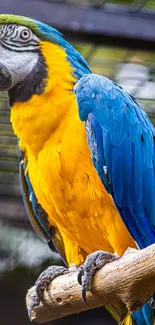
x=18 y=51
x=19 y=64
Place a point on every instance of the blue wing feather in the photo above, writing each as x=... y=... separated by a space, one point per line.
x=35 y=212
x=121 y=138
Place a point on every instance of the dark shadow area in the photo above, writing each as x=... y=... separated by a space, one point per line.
x=13 y=311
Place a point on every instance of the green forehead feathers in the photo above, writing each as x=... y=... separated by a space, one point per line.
x=48 y=33
x=19 y=20
x=43 y=31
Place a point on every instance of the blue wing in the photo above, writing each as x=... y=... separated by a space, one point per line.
x=121 y=139
x=35 y=212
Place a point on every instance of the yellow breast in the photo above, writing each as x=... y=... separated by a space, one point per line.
x=68 y=187
x=60 y=165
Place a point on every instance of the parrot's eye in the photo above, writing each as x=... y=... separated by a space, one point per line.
x=25 y=34
x=18 y=38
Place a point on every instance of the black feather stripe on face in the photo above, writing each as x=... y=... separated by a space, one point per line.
x=34 y=83
x=18 y=38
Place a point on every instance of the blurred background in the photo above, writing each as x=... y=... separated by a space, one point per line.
x=117 y=38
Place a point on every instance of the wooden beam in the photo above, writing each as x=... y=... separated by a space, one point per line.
x=130 y=279
x=79 y=23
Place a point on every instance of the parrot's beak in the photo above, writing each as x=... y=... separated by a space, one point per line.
x=5 y=78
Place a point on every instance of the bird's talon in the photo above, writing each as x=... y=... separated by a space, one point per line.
x=93 y=262
x=34 y=303
x=42 y=284
x=80 y=275
x=152 y=301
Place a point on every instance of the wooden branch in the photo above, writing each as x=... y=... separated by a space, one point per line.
x=131 y=279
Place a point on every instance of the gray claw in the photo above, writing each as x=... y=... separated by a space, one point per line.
x=34 y=303
x=93 y=262
x=42 y=284
x=80 y=275
x=46 y=277
x=152 y=301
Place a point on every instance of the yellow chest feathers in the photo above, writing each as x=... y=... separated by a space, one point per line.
x=59 y=161
x=69 y=189
x=54 y=141
x=52 y=135
x=35 y=120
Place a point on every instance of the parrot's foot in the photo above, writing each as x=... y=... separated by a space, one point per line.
x=152 y=301
x=93 y=262
x=42 y=284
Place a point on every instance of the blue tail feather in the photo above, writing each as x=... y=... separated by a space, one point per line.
x=145 y=316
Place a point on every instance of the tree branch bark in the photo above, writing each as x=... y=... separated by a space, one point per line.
x=130 y=279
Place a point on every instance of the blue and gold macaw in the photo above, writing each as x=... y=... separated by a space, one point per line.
x=50 y=88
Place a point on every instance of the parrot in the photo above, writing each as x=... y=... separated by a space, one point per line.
x=85 y=150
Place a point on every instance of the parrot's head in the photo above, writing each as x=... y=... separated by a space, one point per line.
x=24 y=57
x=38 y=69
x=18 y=53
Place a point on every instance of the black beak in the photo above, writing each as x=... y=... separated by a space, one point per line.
x=5 y=78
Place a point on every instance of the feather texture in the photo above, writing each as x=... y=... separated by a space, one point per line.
x=121 y=140
x=36 y=214
x=57 y=174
